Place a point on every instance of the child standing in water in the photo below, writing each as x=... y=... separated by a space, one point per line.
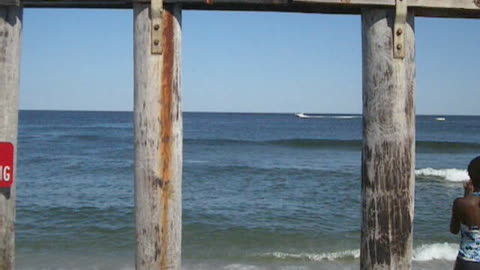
x=466 y=219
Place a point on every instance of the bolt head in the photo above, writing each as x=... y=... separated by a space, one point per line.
x=156 y=42
x=399 y=31
x=399 y=46
x=156 y=27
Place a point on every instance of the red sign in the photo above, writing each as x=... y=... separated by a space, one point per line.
x=6 y=165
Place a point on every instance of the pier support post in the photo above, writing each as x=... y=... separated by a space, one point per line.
x=388 y=154
x=158 y=141
x=10 y=48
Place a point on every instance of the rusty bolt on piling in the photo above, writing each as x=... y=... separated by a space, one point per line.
x=399 y=31
x=156 y=42
x=399 y=46
x=156 y=27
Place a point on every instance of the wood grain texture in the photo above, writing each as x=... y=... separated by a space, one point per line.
x=388 y=154
x=453 y=4
x=158 y=142
x=426 y=8
x=10 y=47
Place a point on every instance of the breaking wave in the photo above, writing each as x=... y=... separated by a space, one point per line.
x=452 y=175
x=427 y=252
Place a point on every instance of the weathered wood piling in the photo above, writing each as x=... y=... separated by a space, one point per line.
x=10 y=44
x=388 y=156
x=158 y=140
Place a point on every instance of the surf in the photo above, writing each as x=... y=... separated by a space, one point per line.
x=451 y=175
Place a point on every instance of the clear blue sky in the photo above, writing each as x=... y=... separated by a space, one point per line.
x=240 y=61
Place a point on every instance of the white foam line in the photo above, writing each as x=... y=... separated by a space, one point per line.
x=452 y=175
x=427 y=252
x=437 y=251
x=330 y=256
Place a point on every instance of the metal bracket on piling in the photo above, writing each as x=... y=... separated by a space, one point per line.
x=156 y=15
x=399 y=29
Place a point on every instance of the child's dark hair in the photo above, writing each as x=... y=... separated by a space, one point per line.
x=474 y=171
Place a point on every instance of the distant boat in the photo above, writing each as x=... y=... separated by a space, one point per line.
x=440 y=119
x=302 y=115
x=306 y=116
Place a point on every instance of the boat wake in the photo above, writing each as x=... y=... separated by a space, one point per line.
x=306 y=116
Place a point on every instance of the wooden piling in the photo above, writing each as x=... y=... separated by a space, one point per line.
x=158 y=141
x=388 y=155
x=10 y=44
x=10 y=47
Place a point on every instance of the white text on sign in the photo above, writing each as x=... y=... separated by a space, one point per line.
x=5 y=173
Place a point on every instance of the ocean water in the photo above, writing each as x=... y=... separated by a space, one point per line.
x=260 y=191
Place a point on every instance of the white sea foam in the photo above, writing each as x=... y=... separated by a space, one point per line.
x=437 y=251
x=453 y=175
x=330 y=256
x=427 y=252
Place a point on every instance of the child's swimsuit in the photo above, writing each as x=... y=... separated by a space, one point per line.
x=470 y=242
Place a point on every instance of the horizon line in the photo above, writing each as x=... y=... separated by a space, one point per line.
x=238 y=112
